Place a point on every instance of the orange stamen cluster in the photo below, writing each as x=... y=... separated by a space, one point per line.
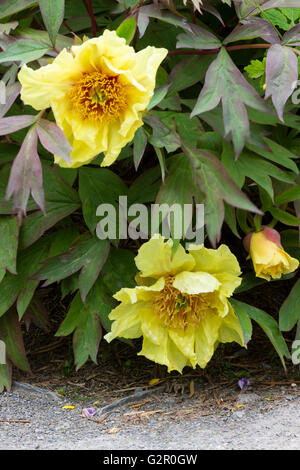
x=179 y=310
x=98 y=97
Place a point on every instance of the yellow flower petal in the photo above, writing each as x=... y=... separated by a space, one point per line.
x=41 y=86
x=195 y=283
x=184 y=314
x=206 y=335
x=215 y=261
x=155 y=259
x=185 y=342
x=98 y=92
x=127 y=322
x=132 y=295
x=230 y=329
x=269 y=259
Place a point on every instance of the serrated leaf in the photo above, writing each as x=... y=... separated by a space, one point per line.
x=224 y=82
x=256 y=68
x=53 y=15
x=281 y=76
x=276 y=18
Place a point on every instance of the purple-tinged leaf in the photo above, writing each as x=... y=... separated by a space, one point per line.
x=281 y=76
x=139 y=146
x=87 y=255
x=10 y=332
x=292 y=37
x=37 y=314
x=53 y=139
x=199 y=38
x=212 y=10
x=26 y=176
x=254 y=28
x=280 y=4
x=142 y=23
x=153 y=11
x=224 y=82
x=218 y=186
x=11 y=93
x=15 y=123
x=245 y=8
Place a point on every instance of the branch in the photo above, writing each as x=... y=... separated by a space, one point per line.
x=215 y=51
x=89 y=7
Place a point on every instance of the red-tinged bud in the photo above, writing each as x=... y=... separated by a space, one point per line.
x=270 y=261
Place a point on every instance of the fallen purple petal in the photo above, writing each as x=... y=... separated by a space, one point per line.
x=88 y=412
x=243 y=382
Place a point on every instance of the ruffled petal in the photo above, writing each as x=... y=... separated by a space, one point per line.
x=51 y=82
x=135 y=294
x=195 y=283
x=231 y=329
x=215 y=261
x=185 y=342
x=206 y=335
x=127 y=323
x=155 y=259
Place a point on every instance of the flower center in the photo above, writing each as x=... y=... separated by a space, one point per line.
x=98 y=97
x=179 y=310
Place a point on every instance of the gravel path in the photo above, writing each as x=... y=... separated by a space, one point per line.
x=162 y=423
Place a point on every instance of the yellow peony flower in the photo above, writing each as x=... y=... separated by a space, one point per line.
x=269 y=259
x=180 y=306
x=98 y=92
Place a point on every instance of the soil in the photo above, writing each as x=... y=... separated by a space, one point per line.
x=196 y=410
x=200 y=409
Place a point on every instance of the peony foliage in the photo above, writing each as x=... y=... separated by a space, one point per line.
x=162 y=102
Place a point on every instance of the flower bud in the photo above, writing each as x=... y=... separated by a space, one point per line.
x=269 y=259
